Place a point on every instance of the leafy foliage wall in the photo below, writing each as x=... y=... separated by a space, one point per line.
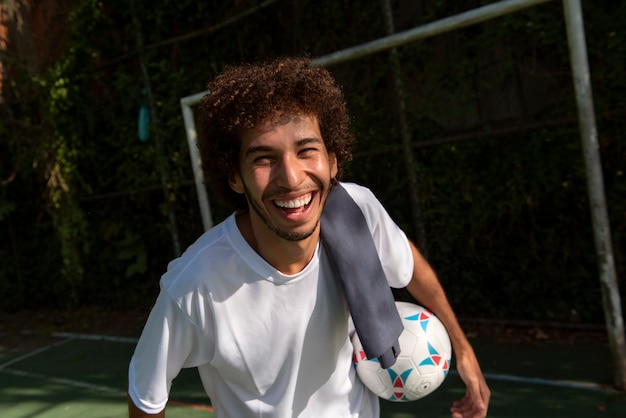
x=90 y=214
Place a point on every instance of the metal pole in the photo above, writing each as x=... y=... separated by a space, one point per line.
x=194 y=154
x=595 y=184
x=438 y=27
x=448 y=24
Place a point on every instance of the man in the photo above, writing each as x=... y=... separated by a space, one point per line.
x=254 y=303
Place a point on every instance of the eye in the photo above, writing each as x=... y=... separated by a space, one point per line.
x=262 y=160
x=308 y=151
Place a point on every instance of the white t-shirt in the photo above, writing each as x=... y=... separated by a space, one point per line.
x=265 y=344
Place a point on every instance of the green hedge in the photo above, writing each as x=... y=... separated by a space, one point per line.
x=91 y=214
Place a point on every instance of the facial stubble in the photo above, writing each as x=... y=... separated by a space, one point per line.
x=286 y=235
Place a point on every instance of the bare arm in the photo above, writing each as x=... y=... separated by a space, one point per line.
x=134 y=412
x=425 y=288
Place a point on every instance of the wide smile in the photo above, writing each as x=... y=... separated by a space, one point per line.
x=294 y=206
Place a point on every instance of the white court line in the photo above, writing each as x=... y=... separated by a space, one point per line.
x=571 y=384
x=69 y=336
x=77 y=383
x=489 y=376
x=34 y=352
x=568 y=384
x=99 y=388
x=63 y=381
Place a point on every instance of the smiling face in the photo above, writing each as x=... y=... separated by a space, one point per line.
x=285 y=174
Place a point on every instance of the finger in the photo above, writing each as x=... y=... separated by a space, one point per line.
x=477 y=396
x=468 y=413
x=461 y=407
x=469 y=407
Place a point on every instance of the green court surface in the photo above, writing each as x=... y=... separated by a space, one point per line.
x=85 y=376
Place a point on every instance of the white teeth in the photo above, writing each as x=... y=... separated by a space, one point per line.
x=295 y=203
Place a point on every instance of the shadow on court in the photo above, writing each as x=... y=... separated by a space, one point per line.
x=85 y=376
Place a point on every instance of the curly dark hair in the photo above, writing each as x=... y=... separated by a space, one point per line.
x=243 y=97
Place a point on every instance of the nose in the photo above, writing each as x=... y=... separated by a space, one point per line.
x=288 y=172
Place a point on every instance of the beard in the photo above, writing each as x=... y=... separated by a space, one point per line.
x=286 y=235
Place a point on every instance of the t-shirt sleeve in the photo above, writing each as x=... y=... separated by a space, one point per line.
x=391 y=242
x=169 y=342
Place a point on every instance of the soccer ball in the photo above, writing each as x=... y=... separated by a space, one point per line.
x=421 y=366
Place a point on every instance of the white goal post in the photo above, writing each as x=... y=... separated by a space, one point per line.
x=438 y=27
x=588 y=131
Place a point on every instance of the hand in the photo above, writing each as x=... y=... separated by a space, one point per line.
x=476 y=400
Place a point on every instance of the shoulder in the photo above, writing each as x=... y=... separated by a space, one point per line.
x=360 y=194
x=366 y=200
x=187 y=272
x=391 y=242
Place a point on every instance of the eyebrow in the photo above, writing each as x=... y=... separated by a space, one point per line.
x=256 y=149
x=306 y=141
x=264 y=148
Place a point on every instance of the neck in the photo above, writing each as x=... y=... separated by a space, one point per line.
x=288 y=257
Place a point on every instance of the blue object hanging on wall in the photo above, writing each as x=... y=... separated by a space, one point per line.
x=143 y=124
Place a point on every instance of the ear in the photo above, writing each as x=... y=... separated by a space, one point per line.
x=332 y=162
x=235 y=182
